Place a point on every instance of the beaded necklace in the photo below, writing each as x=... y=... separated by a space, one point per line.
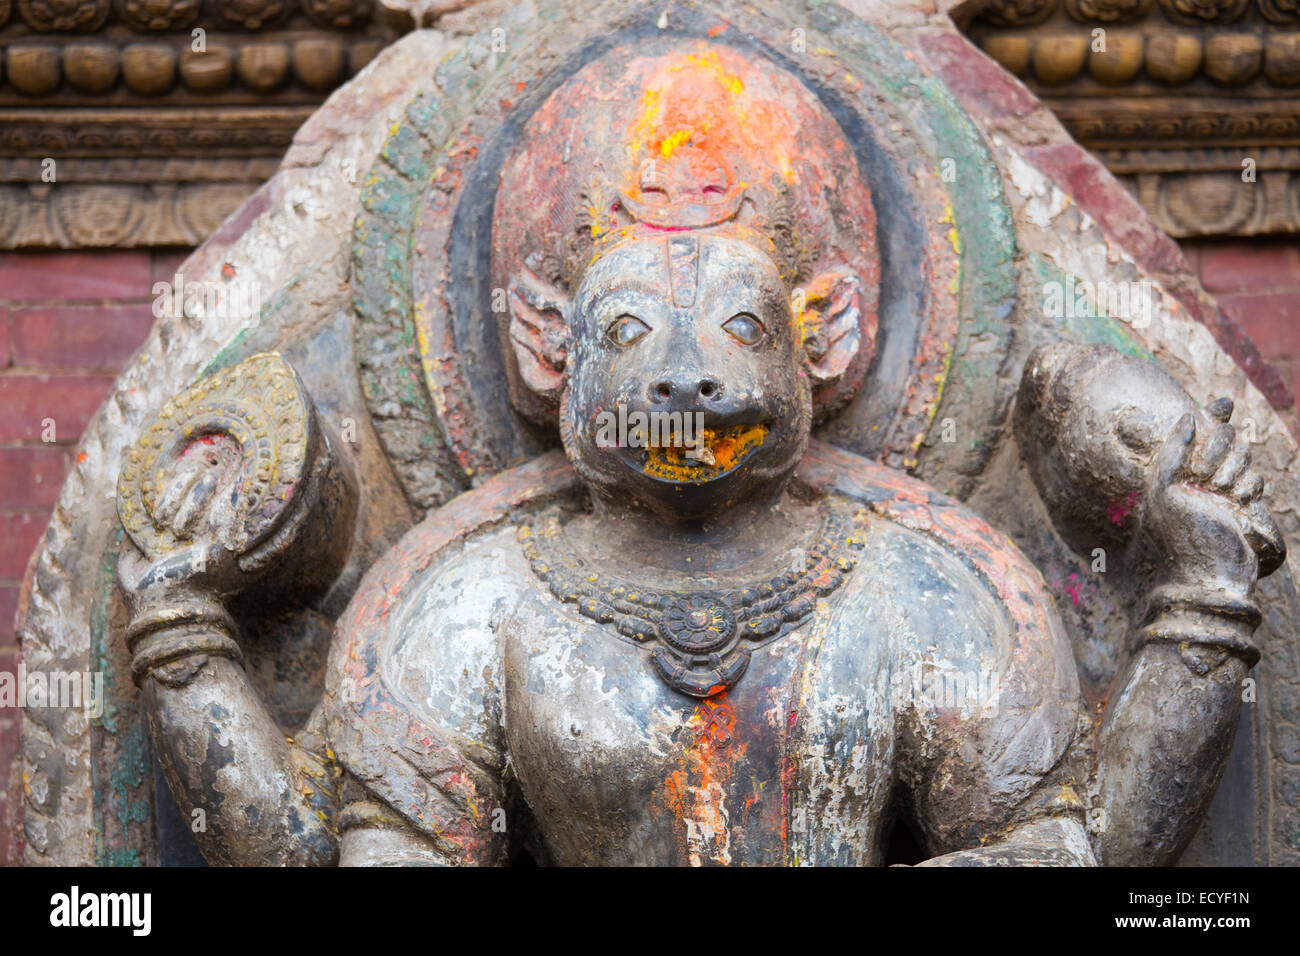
x=701 y=639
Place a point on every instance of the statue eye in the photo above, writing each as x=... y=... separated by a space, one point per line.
x=626 y=330
x=744 y=328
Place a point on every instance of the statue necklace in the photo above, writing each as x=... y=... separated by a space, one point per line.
x=700 y=641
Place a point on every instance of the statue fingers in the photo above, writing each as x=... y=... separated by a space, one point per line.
x=1249 y=487
x=1213 y=451
x=192 y=504
x=132 y=566
x=1233 y=466
x=174 y=495
x=1220 y=409
x=1175 y=453
x=1264 y=538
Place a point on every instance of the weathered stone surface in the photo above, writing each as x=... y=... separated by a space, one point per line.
x=973 y=178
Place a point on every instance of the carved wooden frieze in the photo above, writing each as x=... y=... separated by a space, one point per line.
x=97 y=96
x=1192 y=103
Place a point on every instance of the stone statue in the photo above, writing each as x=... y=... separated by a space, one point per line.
x=699 y=636
x=676 y=434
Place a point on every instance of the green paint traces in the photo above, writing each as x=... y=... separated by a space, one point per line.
x=129 y=765
x=1094 y=326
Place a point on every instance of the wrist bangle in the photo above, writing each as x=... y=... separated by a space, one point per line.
x=187 y=629
x=167 y=647
x=1175 y=616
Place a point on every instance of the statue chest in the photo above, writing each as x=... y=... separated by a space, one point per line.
x=792 y=764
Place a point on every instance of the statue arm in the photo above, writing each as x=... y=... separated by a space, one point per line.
x=1125 y=459
x=415 y=708
x=1173 y=719
x=987 y=710
x=1162 y=748
x=235 y=489
x=1054 y=841
x=996 y=795
x=1173 y=712
x=253 y=796
x=446 y=813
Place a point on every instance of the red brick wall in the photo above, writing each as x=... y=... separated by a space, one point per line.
x=1257 y=283
x=70 y=320
x=68 y=323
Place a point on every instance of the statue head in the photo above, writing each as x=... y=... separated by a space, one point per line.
x=698 y=313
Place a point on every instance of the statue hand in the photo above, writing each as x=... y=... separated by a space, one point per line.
x=195 y=507
x=202 y=568
x=1100 y=430
x=234 y=484
x=1203 y=515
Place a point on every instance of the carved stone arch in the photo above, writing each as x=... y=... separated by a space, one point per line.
x=335 y=239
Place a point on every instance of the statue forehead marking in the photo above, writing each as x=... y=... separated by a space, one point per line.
x=683 y=254
x=634 y=145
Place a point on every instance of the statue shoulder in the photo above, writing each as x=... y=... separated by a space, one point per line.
x=967 y=591
x=414 y=676
x=984 y=684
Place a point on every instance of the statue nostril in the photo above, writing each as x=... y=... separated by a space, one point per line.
x=661 y=392
x=708 y=389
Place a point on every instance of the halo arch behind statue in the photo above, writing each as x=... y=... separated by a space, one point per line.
x=956 y=312
x=857 y=152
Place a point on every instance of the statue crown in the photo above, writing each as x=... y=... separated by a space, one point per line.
x=688 y=190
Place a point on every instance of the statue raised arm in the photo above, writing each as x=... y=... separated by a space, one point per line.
x=1128 y=462
x=233 y=493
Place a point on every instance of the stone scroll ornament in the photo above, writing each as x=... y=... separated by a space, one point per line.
x=654 y=560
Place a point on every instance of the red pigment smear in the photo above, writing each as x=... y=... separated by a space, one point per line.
x=697 y=791
x=698 y=115
x=1118 y=512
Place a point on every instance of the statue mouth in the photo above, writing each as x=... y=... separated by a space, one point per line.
x=716 y=452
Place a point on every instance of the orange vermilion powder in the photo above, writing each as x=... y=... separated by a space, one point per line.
x=728 y=446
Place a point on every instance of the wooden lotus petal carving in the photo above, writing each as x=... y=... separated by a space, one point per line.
x=1107 y=11
x=33 y=70
x=318 y=62
x=149 y=69
x=1059 y=59
x=339 y=14
x=263 y=66
x=158 y=15
x=1018 y=12
x=91 y=68
x=209 y=71
x=1233 y=59
x=255 y=14
x=1280 y=11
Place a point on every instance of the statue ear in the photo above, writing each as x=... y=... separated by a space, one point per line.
x=539 y=329
x=829 y=321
